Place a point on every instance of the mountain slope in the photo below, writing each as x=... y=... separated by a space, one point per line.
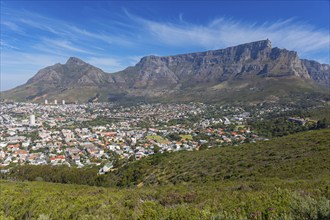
x=284 y=178
x=248 y=69
x=299 y=156
x=74 y=72
x=74 y=80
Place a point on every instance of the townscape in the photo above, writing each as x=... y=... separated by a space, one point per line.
x=95 y=133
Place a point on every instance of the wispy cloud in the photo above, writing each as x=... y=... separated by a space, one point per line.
x=4 y=45
x=223 y=32
x=106 y=38
x=66 y=45
x=12 y=26
x=22 y=20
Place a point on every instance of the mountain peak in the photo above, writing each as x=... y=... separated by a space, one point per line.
x=258 y=45
x=266 y=43
x=75 y=61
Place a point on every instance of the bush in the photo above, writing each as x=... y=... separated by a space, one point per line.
x=306 y=207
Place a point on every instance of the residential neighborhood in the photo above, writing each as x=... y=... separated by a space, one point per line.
x=98 y=133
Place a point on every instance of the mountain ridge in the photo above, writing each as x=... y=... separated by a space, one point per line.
x=175 y=77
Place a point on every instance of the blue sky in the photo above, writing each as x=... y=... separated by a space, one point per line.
x=115 y=34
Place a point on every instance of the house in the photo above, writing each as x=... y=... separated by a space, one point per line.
x=93 y=150
x=22 y=153
x=16 y=139
x=13 y=147
x=299 y=121
x=106 y=168
x=76 y=159
x=139 y=155
x=57 y=159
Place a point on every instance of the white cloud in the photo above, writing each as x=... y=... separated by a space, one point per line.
x=4 y=44
x=220 y=33
x=106 y=38
x=20 y=20
x=12 y=26
x=66 y=45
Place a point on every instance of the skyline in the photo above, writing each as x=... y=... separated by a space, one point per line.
x=113 y=35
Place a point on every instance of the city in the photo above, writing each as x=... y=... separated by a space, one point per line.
x=100 y=133
x=85 y=134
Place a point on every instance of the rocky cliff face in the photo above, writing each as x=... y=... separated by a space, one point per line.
x=320 y=73
x=175 y=76
x=257 y=58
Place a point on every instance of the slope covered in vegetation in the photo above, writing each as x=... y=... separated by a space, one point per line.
x=300 y=156
x=284 y=178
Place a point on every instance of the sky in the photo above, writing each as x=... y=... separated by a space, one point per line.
x=113 y=35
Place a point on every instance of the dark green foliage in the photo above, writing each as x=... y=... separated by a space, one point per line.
x=33 y=135
x=56 y=174
x=276 y=124
x=277 y=127
x=323 y=123
x=173 y=137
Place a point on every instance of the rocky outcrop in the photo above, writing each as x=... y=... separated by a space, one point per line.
x=320 y=73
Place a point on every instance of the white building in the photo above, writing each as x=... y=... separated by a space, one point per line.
x=32 y=120
x=55 y=102
x=63 y=102
x=46 y=102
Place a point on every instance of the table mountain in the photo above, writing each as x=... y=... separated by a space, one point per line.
x=252 y=71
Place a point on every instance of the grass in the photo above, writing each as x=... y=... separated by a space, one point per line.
x=158 y=139
x=186 y=137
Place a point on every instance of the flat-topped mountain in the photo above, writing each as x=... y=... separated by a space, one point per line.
x=257 y=58
x=247 y=72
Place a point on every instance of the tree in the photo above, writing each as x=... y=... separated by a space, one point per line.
x=174 y=137
x=156 y=149
x=323 y=123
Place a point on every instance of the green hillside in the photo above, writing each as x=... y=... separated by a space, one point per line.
x=300 y=156
x=283 y=178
